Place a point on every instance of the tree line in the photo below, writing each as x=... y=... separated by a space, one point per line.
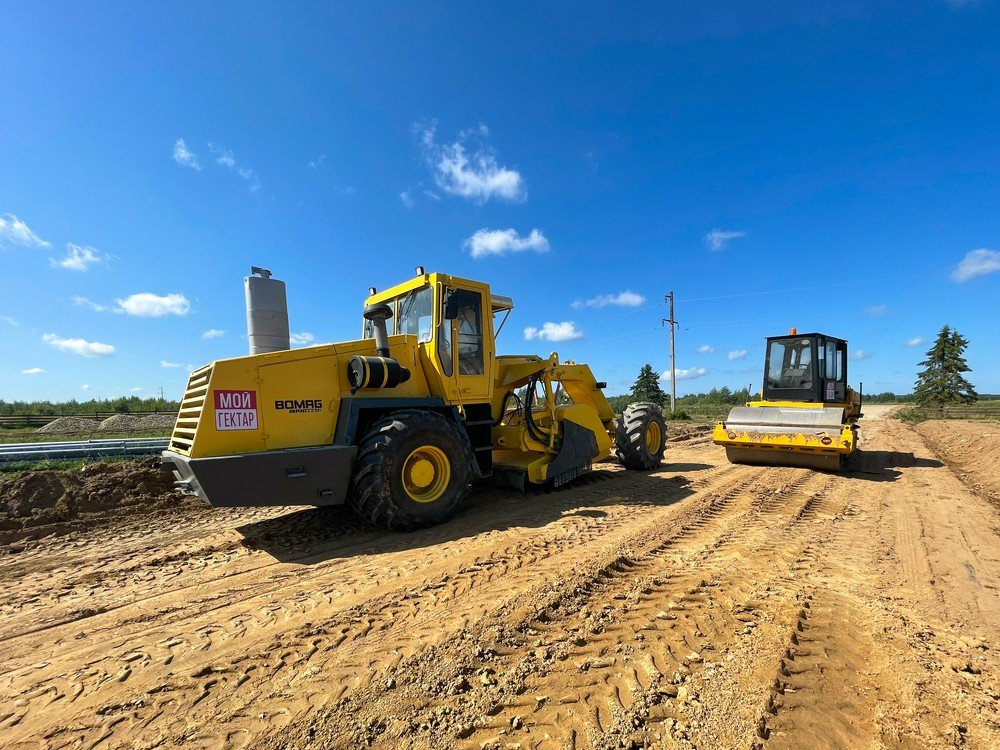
x=121 y=405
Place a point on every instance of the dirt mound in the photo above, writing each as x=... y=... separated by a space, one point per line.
x=158 y=422
x=120 y=423
x=38 y=503
x=972 y=449
x=66 y=425
x=679 y=432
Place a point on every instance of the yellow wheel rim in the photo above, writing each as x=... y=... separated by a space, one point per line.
x=426 y=473
x=653 y=434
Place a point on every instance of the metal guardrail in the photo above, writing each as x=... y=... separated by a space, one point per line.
x=76 y=449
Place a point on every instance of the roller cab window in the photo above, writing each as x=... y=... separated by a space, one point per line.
x=790 y=364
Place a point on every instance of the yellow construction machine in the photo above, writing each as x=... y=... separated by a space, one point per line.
x=400 y=422
x=807 y=415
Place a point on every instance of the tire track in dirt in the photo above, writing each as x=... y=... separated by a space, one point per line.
x=161 y=648
x=702 y=535
x=632 y=671
x=386 y=543
x=306 y=538
x=823 y=696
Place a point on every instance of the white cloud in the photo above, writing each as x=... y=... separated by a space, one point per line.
x=877 y=309
x=737 y=354
x=164 y=363
x=85 y=387
x=84 y=302
x=406 y=198
x=213 y=333
x=717 y=239
x=12 y=229
x=706 y=349
x=184 y=157
x=861 y=354
x=148 y=305
x=690 y=374
x=502 y=241
x=565 y=331
x=916 y=341
x=33 y=371
x=301 y=339
x=224 y=158
x=622 y=299
x=79 y=346
x=9 y=321
x=474 y=175
x=318 y=163
x=976 y=263
x=250 y=176
x=79 y=258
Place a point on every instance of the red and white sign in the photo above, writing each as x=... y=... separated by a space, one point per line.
x=235 y=410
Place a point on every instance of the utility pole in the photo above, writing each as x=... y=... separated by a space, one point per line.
x=673 y=369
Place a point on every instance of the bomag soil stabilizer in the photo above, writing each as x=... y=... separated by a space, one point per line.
x=395 y=424
x=808 y=414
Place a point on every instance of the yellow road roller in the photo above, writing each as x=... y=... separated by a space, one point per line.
x=807 y=415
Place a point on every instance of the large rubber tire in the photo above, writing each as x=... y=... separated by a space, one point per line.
x=641 y=436
x=378 y=492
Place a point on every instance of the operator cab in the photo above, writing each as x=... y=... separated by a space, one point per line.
x=809 y=367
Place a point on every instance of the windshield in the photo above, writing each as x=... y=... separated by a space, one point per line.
x=414 y=313
x=789 y=364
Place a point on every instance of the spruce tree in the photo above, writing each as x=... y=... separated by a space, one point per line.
x=941 y=381
x=647 y=386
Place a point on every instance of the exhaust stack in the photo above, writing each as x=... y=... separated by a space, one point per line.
x=267 y=312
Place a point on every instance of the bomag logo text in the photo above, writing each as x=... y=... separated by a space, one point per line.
x=299 y=406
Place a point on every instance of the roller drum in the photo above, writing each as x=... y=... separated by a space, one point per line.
x=785 y=420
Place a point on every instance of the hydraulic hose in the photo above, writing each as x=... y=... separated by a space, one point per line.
x=533 y=430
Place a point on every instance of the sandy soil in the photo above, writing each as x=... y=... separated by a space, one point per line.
x=701 y=605
x=971 y=449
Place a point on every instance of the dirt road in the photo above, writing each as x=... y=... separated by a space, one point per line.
x=702 y=605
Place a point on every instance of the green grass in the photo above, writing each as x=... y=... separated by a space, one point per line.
x=984 y=409
x=29 y=435
x=65 y=464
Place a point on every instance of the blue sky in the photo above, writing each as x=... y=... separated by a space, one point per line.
x=832 y=167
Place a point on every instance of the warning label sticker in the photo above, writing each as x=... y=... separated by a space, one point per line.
x=235 y=410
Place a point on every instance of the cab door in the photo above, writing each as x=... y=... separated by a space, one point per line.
x=465 y=345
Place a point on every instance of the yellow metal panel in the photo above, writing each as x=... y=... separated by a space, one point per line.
x=300 y=401
x=228 y=377
x=845 y=442
x=532 y=463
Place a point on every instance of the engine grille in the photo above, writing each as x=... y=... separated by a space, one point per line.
x=190 y=413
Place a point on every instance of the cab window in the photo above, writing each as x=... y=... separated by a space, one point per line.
x=470 y=334
x=790 y=364
x=414 y=314
x=467 y=308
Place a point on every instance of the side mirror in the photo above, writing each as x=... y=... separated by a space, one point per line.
x=451 y=305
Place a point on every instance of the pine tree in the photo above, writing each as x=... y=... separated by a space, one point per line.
x=942 y=382
x=647 y=386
